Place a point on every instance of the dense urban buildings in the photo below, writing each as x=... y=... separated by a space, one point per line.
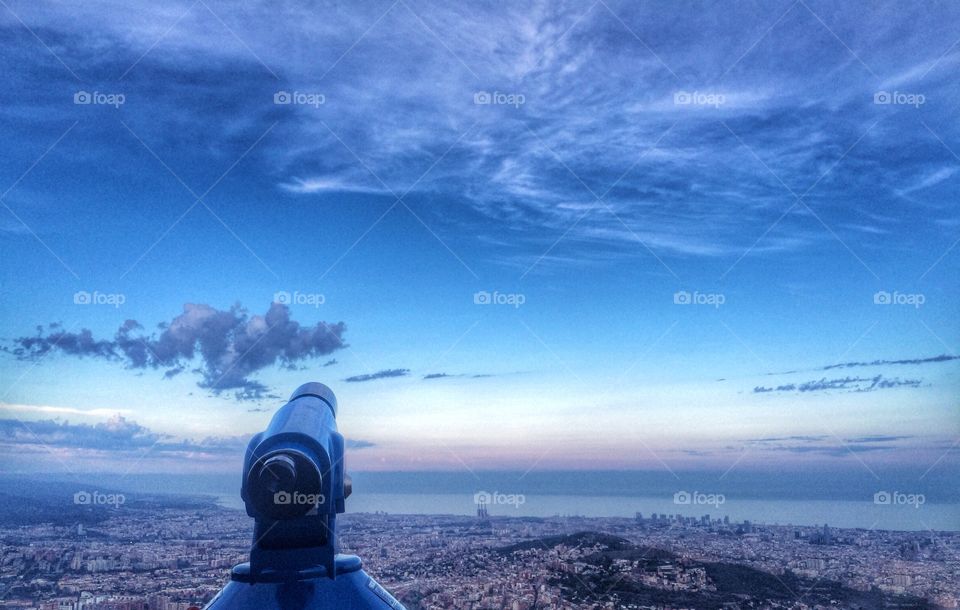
x=175 y=558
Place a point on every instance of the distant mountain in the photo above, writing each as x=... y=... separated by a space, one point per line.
x=25 y=501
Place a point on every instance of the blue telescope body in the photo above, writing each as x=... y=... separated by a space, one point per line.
x=294 y=486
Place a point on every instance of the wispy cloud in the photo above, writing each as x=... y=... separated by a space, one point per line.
x=430 y=376
x=874 y=363
x=878 y=438
x=904 y=361
x=437 y=375
x=56 y=410
x=329 y=185
x=438 y=88
x=850 y=384
x=119 y=435
x=384 y=374
x=831 y=446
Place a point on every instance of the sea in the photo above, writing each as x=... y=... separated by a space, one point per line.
x=903 y=501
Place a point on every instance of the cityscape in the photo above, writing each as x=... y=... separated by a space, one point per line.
x=578 y=304
x=158 y=555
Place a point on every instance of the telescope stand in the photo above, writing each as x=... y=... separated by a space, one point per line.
x=350 y=589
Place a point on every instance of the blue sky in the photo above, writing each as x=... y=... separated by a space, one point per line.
x=675 y=221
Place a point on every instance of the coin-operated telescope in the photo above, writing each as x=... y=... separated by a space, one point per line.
x=294 y=487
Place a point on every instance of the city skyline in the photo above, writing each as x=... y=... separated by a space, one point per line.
x=540 y=237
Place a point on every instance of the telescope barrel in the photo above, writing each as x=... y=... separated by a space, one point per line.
x=295 y=466
x=294 y=486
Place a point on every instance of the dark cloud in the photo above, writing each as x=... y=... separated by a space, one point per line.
x=837 y=450
x=171 y=373
x=230 y=345
x=330 y=362
x=801 y=438
x=75 y=344
x=908 y=361
x=849 y=384
x=378 y=375
x=877 y=438
x=446 y=375
x=116 y=433
x=855 y=364
x=251 y=390
x=822 y=444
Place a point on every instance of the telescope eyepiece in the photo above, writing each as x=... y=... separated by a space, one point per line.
x=278 y=473
x=285 y=485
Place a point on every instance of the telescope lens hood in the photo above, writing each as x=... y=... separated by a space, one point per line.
x=318 y=390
